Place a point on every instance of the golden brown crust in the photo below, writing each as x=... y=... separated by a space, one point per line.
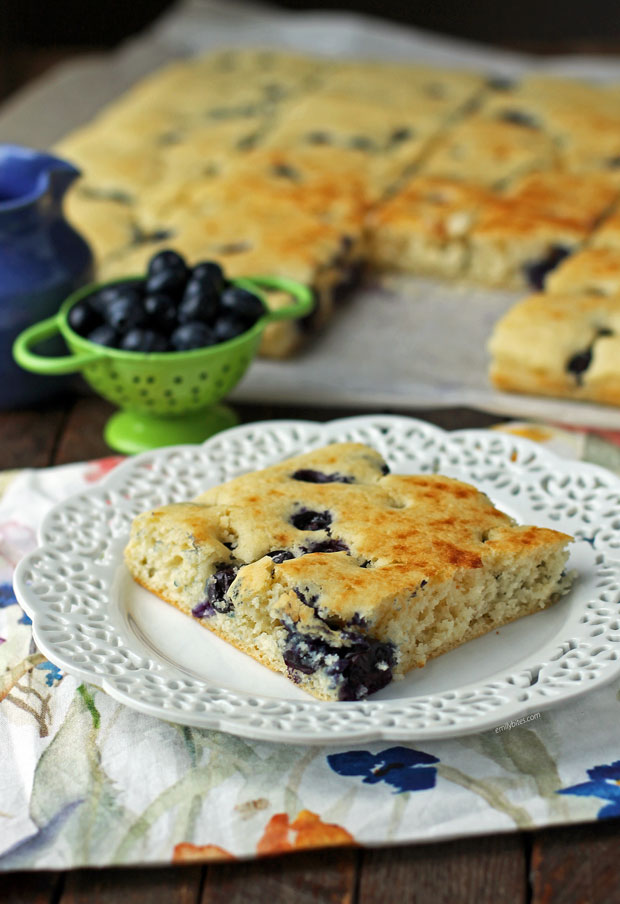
x=533 y=345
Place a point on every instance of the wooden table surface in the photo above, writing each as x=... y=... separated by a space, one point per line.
x=572 y=865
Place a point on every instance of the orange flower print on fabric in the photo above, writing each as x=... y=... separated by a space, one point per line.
x=190 y=853
x=101 y=466
x=306 y=831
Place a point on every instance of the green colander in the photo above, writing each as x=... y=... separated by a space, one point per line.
x=165 y=397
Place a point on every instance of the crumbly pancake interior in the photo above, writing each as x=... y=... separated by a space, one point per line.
x=340 y=575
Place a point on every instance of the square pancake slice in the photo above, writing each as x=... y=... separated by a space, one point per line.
x=582 y=118
x=523 y=233
x=341 y=576
x=487 y=150
x=559 y=345
x=423 y=227
x=591 y=271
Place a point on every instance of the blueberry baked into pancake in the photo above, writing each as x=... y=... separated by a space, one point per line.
x=342 y=576
x=560 y=345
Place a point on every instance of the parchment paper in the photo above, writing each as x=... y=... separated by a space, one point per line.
x=413 y=344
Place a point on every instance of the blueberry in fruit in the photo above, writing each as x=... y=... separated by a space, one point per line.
x=104 y=335
x=171 y=281
x=83 y=318
x=199 y=303
x=309 y=475
x=125 y=312
x=218 y=586
x=141 y=340
x=161 y=312
x=280 y=555
x=108 y=294
x=580 y=362
x=332 y=545
x=191 y=335
x=537 y=271
x=209 y=271
x=519 y=118
x=166 y=260
x=242 y=303
x=305 y=519
x=227 y=326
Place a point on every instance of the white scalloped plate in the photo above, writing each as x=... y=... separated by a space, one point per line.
x=91 y=620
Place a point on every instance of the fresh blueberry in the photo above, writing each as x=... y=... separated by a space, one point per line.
x=161 y=312
x=309 y=520
x=242 y=303
x=83 y=318
x=191 y=335
x=309 y=475
x=168 y=282
x=108 y=294
x=125 y=312
x=227 y=326
x=166 y=260
x=209 y=271
x=104 y=335
x=141 y=340
x=200 y=302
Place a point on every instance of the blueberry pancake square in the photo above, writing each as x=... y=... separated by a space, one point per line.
x=330 y=570
x=488 y=151
x=559 y=345
x=582 y=118
x=423 y=227
x=443 y=93
x=386 y=140
x=524 y=233
x=592 y=271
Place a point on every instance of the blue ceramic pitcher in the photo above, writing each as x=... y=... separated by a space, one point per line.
x=42 y=259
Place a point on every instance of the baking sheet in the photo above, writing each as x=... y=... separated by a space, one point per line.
x=411 y=343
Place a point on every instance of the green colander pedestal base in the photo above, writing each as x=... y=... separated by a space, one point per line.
x=131 y=431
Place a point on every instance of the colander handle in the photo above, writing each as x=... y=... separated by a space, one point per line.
x=303 y=297
x=40 y=364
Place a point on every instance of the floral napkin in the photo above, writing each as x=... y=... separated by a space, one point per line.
x=87 y=782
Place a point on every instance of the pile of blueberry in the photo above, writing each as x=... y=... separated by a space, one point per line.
x=174 y=309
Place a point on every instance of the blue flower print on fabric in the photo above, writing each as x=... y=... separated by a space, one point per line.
x=54 y=675
x=402 y=767
x=8 y=598
x=605 y=784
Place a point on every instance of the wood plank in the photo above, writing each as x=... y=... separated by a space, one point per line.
x=165 y=885
x=576 y=864
x=29 y=436
x=448 y=418
x=82 y=436
x=489 y=870
x=30 y=888
x=306 y=878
